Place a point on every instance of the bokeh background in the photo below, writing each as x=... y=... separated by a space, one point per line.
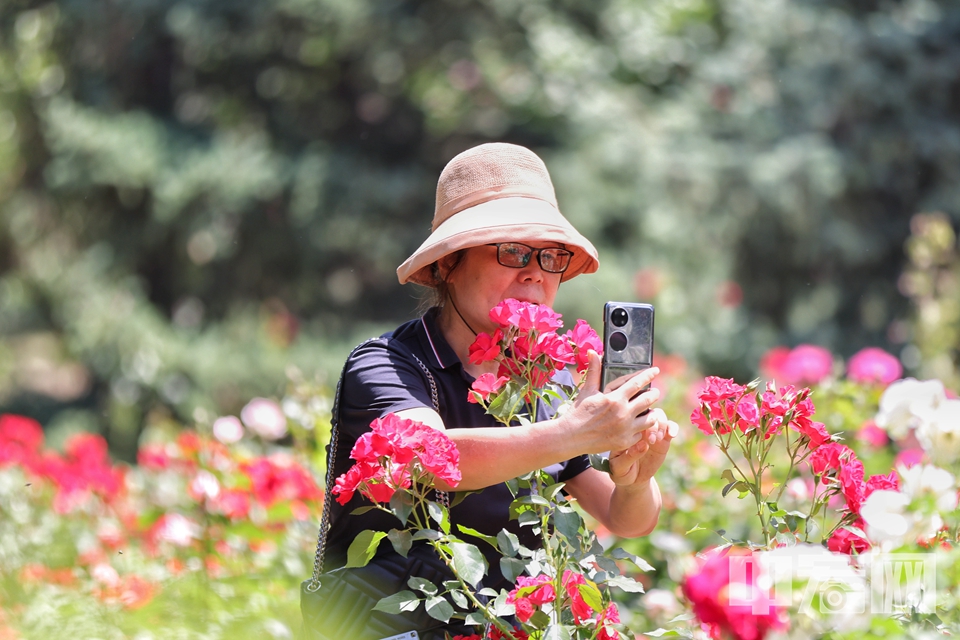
x=201 y=201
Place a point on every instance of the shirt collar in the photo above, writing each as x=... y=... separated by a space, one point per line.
x=434 y=344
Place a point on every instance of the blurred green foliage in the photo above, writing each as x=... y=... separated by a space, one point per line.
x=195 y=195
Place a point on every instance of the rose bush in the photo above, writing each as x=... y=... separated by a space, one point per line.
x=208 y=535
x=212 y=531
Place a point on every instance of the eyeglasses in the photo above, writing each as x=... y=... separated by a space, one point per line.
x=517 y=256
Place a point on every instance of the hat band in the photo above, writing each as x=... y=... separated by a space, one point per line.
x=474 y=198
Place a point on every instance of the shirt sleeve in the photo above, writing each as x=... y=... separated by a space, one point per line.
x=379 y=378
x=574 y=467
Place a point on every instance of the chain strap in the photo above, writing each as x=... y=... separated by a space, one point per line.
x=442 y=496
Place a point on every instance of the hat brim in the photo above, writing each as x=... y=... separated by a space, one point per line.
x=510 y=219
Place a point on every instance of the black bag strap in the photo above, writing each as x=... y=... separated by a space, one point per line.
x=329 y=481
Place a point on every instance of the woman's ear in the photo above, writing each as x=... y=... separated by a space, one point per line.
x=443 y=267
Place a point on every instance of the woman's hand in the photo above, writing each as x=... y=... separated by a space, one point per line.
x=621 y=419
x=639 y=462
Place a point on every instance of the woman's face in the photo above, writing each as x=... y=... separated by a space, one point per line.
x=480 y=282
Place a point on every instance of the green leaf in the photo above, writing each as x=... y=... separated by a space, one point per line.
x=695 y=528
x=508 y=543
x=786 y=539
x=726 y=489
x=511 y=568
x=550 y=493
x=488 y=592
x=539 y=620
x=359 y=511
x=426 y=534
x=513 y=484
x=591 y=595
x=500 y=607
x=728 y=475
x=505 y=405
x=607 y=564
x=404 y=601
x=683 y=617
x=622 y=554
x=532 y=499
x=625 y=583
x=439 y=608
x=401 y=540
x=556 y=632
x=476 y=534
x=855 y=530
x=439 y=515
x=662 y=633
x=468 y=563
x=422 y=585
x=363 y=547
x=567 y=523
x=527 y=518
x=475 y=618
x=460 y=599
x=402 y=505
x=460 y=496
x=599 y=462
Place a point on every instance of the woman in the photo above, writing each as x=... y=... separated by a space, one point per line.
x=497 y=234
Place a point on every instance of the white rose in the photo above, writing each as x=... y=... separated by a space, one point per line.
x=907 y=403
x=940 y=433
x=885 y=514
x=928 y=480
x=812 y=579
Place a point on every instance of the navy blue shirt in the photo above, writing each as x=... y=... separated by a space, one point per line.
x=381 y=377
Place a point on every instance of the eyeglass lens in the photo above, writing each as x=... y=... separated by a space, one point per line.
x=513 y=254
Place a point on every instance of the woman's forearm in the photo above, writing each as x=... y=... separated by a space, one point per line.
x=634 y=509
x=491 y=455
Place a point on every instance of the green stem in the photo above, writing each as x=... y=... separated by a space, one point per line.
x=758 y=498
x=504 y=628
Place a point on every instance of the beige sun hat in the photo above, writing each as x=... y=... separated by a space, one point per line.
x=496 y=192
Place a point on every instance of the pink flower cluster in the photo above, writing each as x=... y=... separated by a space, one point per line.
x=728 y=598
x=841 y=471
x=238 y=485
x=726 y=405
x=532 y=593
x=83 y=470
x=810 y=364
x=218 y=481
x=528 y=347
x=392 y=454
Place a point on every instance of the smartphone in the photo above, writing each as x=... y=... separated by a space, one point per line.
x=627 y=339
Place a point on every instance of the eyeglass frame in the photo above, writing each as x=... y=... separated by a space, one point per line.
x=533 y=250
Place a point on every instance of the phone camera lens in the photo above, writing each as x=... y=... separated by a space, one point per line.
x=618 y=341
x=618 y=317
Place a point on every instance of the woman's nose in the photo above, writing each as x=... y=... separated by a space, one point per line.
x=531 y=273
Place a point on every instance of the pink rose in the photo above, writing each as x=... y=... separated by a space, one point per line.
x=485 y=385
x=872 y=365
x=807 y=364
x=846 y=541
x=873 y=435
x=486 y=347
x=751 y=615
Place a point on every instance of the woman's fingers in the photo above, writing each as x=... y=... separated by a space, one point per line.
x=630 y=385
x=591 y=383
